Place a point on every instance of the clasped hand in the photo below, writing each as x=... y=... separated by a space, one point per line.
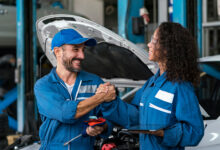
x=107 y=91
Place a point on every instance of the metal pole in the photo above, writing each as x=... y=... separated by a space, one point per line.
x=35 y=56
x=199 y=24
x=34 y=40
x=126 y=10
x=20 y=64
x=179 y=12
x=162 y=11
x=122 y=8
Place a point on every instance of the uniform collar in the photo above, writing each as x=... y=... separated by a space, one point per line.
x=158 y=80
x=82 y=75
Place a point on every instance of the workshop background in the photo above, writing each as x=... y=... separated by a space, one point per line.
x=22 y=60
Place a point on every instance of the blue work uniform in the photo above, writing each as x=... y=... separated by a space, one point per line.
x=161 y=104
x=57 y=109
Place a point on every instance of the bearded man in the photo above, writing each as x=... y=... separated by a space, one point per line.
x=67 y=97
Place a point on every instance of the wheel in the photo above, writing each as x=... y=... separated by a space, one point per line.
x=3 y=125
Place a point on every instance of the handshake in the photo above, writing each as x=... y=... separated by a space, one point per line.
x=106 y=91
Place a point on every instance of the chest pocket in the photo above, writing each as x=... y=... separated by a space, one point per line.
x=160 y=109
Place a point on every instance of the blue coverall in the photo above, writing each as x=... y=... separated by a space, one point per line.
x=57 y=109
x=161 y=104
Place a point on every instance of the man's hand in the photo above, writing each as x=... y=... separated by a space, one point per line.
x=103 y=88
x=94 y=131
x=107 y=91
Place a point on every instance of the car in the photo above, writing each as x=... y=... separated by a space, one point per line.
x=209 y=99
x=126 y=65
x=8 y=20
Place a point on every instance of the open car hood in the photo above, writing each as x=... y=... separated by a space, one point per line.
x=114 y=58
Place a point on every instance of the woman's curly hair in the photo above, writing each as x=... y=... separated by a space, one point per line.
x=180 y=49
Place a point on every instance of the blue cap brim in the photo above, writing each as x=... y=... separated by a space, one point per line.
x=87 y=41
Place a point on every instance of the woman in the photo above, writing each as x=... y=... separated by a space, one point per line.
x=166 y=104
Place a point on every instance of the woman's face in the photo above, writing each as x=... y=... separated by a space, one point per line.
x=153 y=47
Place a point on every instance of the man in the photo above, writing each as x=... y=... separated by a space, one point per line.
x=66 y=96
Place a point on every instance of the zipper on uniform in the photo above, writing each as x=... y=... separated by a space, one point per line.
x=67 y=90
x=71 y=99
x=78 y=89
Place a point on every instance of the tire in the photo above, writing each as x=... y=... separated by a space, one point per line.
x=3 y=143
x=3 y=125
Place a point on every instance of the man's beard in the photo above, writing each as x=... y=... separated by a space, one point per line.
x=68 y=64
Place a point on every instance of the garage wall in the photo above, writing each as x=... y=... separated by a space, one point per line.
x=93 y=9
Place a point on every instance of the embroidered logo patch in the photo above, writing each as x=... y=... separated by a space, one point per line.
x=165 y=96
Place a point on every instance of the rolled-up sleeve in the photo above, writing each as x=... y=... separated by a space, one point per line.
x=53 y=105
x=189 y=129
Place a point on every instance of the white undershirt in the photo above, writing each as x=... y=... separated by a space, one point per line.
x=69 y=88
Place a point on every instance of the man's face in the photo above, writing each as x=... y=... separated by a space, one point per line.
x=72 y=57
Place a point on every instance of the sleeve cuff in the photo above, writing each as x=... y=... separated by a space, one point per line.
x=69 y=112
x=106 y=133
x=172 y=135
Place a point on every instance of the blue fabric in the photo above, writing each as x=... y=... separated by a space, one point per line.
x=57 y=109
x=70 y=36
x=161 y=104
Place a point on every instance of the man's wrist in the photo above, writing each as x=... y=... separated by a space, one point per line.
x=100 y=97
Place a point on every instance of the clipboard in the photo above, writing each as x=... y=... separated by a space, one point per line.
x=138 y=131
x=144 y=129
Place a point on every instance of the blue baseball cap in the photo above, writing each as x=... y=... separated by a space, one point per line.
x=70 y=36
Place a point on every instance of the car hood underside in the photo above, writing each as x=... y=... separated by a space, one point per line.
x=112 y=58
